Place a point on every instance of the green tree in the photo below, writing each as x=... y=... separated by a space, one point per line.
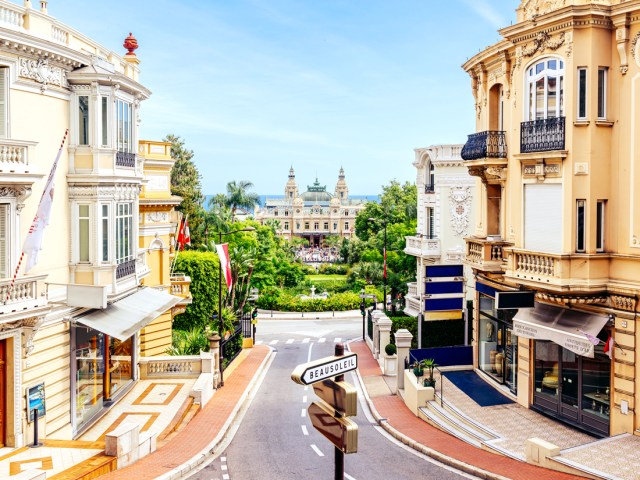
x=185 y=183
x=239 y=196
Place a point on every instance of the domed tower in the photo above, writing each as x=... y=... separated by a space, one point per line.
x=342 y=191
x=291 y=190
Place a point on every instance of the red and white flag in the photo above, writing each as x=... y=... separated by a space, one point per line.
x=33 y=243
x=184 y=238
x=225 y=263
x=608 y=346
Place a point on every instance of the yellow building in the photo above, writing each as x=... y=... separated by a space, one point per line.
x=69 y=341
x=555 y=155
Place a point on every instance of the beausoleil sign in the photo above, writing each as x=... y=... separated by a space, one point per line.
x=318 y=370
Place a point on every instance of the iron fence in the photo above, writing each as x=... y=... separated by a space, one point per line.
x=489 y=144
x=369 y=325
x=542 y=135
x=231 y=346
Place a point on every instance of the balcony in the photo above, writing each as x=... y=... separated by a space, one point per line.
x=558 y=272
x=126 y=269
x=180 y=287
x=489 y=144
x=542 y=135
x=125 y=159
x=142 y=269
x=412 y=306
x=14 y=156
x=486 y=255
x=412 y=289
x=24 y=296
x=421 y=246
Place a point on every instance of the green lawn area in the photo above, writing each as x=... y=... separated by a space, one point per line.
x=326 y=278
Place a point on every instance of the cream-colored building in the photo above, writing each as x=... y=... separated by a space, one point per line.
x=556 y=158
x=69 y=338
x=445 y=217
x=314 y=214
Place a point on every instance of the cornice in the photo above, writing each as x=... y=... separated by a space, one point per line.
x=25 y=44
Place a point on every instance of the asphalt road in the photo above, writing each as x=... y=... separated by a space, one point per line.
x=275 y=439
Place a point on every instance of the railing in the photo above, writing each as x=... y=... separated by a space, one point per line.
x=169 y=366
x=542 y=135
x=489 y=144
x=536 y=264
x=412 y=289
x=125 y=269
x=14 y=156
x=59 y=35
x=231 y=346
x=11 y=17
x=247 y=327
x=412 y=303
x=423 y=246
x=180 y=284
x=24 y=293
x=369 y=325
x=142 y=269
x=487 y=255
x=125 y=159
x=428 y=188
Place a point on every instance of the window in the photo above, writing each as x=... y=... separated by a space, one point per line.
x=4 y=240
x=545 y=84
x=306 y=225
x=83 y=120
x=326 y=225
x=124 y=232
x=83 y=233
x=346 y=225
x=431 y=229
x=125 y=130
x=580 y=225
x=602 y=93
x=105 y=121
x=543 y=217
x=286 y=213
x=290 y=194
x=582 y=93
x=298 y=225
x=600 y=225
x=341 y=194
x=335 y=225
x=4 y=97
x=286 y=225
x=104 y=224
x=316 y=226
x=275 y=213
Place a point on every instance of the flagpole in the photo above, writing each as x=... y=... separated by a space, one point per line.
x=35 y=217
x=177 y=246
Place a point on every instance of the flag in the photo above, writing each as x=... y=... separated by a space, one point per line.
x=608 y=346
x=33 y=243
x=184 y=238
x=590 y=337
x=225 y=263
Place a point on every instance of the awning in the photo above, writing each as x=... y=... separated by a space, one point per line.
x=567 y=328
x=128 y=315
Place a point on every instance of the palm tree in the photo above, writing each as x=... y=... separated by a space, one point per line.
x=238 y=196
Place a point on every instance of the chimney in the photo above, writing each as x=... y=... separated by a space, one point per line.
x=27 y=3
x=43 y=6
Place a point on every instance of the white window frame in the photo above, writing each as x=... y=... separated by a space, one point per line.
x=601 y=209
x=105 y=119
x=79 y=125
x=84 y=223
x=286 y=226
x=124 y=222
x=124 y=133
x=104 y=232
x=4 y=102
x=531 y=77
x=602 y=89
x=582 y=93
x=346 y=226
x=6 y=244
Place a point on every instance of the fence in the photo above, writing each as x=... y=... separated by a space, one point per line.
x=444 y=356
x=369 y=325
x=232 y=345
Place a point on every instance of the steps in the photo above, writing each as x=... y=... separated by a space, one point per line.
x=183 y=416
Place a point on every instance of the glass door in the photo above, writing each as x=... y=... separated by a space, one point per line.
x=569 y=385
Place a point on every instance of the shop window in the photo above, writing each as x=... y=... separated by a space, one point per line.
x=547 y=358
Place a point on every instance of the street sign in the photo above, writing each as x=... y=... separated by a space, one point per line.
x=340 y=431
x=368 y=295
x=342 y=396
x=312 y=372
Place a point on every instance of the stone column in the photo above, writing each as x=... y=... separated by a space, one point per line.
x=214 y=349
x=384 y=329
x=376 y=333
x=403 y=344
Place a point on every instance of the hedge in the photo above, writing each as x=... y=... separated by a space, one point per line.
x=439 y=333
x=284 y=302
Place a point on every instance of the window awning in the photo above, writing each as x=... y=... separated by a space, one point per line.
x=126 y=316
x=567 y=328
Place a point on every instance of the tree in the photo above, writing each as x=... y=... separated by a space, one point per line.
x=239 y=196
x=185 y=183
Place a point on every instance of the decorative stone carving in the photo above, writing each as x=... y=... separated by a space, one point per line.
x=19 y=192
x=40 y=71
x=572 y=299
x=30 y=327
x=543 y=42
x=157 y=217
x=535 y=8
x=460 y=206
x=635 y=51
x=622 y=38
x=621 y=302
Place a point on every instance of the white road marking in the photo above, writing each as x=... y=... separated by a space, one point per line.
x=223 y=459
x=317 y=450
x=259 y=342
x=303 y=413
x=274 y=342
x=337 y=340
x=304 y=399
x=290 y=341
x=304 y=430
x=306 y=340
x=309 y=356
x=348 y=477
x=322 y=340
x=225 y=476
x=306 y=387
x=223 y=467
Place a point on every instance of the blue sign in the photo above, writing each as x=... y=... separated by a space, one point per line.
x=434 y=288
x=443 y=271
x=443 y=304
x=35 y=399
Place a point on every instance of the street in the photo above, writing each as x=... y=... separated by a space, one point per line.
x=275 y=439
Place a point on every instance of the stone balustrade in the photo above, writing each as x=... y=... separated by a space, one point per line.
x=420 y=246
x=23 y=295
x=486 y=254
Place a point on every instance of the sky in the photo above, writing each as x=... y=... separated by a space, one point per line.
x=257 y=86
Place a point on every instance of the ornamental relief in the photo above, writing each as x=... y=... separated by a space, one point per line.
x=459 y=208
x=534 y=8
x=635 y=49
x=157 y=217
x=40 y=71
x=623 y=303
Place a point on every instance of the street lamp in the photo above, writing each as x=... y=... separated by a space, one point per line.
x=384 y=255
x=221 y=320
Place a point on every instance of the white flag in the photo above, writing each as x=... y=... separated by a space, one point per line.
x=33 y=243
x=225 y=263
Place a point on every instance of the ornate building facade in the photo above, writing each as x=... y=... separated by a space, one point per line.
x=556 y=160
x=314 y=214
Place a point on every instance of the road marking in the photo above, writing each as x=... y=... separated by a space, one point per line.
x=306 y=340
x=317 y=450
x=306 y=387
x=259 y=342
x=223 y=467
x=290 y=341
x=348 y=477
x=337 y=340
x=223 y=459
x=304 y=430
x=225 y=476
x=322 y=340
x=304 y=399
x=303 y=413
x=274 y=342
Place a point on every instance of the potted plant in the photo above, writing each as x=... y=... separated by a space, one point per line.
x=417 y=369
x=390 y=349
x=430 y=364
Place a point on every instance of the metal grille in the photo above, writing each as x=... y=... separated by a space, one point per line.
x=542 y=135
x=125 y=269
x=489 y=144
x=125 y=159
x=231 y=346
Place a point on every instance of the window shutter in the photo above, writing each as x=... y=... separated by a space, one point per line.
x=4 y=93
x=4 y=254
x=543 y=218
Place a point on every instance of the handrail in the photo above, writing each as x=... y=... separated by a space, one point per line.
x=441 y=384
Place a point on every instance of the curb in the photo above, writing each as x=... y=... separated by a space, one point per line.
x=207 y=452
x=429 y=452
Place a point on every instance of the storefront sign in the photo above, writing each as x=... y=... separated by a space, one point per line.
x=566 y=340
x=515 y=300
x=35 y=399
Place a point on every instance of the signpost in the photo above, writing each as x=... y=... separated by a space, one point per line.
x=341 y=401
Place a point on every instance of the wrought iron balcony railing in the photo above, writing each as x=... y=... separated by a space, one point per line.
x=489 y=144
x=542 y=135
x=429 y=188
x=125 y=159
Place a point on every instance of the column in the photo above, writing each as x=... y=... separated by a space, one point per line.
x=403 y=344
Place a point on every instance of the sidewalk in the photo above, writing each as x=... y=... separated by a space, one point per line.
x=393 y=415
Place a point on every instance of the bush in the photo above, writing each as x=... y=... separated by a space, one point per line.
x=190 y=342
x=203 y=268
x=333 y=269
x=390 y=349
x=438 y=333
x=285 y=302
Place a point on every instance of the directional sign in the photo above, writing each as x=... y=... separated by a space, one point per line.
x=312 y=372
x=342 y=396
x=368 y=295
x=340 y=431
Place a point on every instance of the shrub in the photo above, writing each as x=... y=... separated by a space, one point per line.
x=285 y=302
x=203 y=268
x=390 y=349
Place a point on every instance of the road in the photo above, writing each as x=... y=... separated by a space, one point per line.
x=275 y=439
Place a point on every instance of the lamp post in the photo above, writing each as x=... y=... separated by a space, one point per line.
x=220 y=319
x=384 y=271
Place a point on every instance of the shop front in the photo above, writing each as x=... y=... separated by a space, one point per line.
x=104 y=351
x=497 y=343
x=572 y=373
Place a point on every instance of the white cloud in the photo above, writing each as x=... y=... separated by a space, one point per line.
x=485 y=10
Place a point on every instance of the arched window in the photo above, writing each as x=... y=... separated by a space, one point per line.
x=545 y=89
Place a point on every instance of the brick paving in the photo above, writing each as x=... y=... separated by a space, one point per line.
x=199 y=432
x=399 y=417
